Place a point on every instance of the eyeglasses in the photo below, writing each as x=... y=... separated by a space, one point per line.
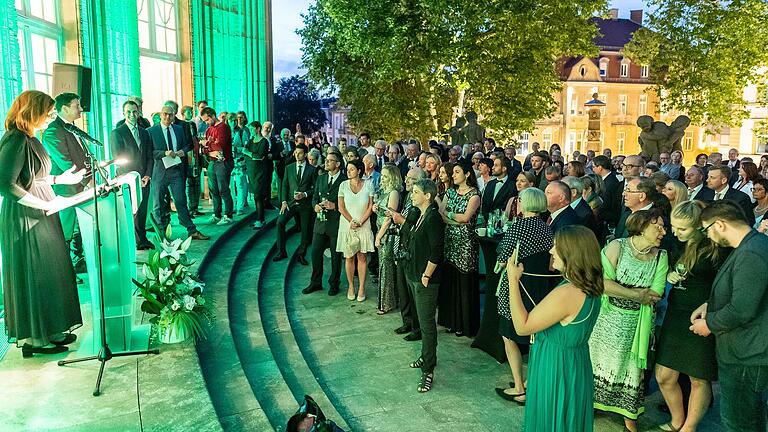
x=704 y=230
x=632 y=191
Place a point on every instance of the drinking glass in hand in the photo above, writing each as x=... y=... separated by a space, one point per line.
x=682 y=272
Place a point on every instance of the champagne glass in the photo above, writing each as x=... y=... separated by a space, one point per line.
x=682 y=272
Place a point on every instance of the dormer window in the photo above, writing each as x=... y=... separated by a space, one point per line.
x=604 y=67
x=624 y=72
x=644 y=71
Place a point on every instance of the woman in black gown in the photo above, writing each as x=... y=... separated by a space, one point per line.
x=39 y=287
x=535 y=238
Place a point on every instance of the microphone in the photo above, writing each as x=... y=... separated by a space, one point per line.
x=116 y=161
x=81 y=133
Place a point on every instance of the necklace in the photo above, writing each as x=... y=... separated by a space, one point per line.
x=632 y=245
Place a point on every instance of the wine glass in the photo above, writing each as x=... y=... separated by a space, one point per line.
x=682 y=272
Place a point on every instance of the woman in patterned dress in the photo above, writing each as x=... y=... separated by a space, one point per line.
x=621 y=337
x=535 y=239
x=459 y=302
x=388 y=198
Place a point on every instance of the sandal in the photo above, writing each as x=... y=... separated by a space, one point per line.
x=417 y=364
x=667 y=427
x=425 y=383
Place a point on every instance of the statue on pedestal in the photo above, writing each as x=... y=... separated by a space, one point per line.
x=457 y=135
x=657 y=137
x=473 y=132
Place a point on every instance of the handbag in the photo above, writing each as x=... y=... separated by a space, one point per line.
x=352 y=245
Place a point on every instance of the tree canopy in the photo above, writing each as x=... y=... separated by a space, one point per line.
x=408 y=67
x=297 y=102
x=703 y=54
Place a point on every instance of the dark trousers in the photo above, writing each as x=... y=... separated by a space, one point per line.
x=743 y=391
x=405 y=296
x=426 y=307
x=219 y=173
x=321 y=242
x=140 y=218
x=373 y=257
x=193 y=189
x=305 y=216
x=174 y=179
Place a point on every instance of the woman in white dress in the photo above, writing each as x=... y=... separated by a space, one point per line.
x=748 y=173
x=355 y=237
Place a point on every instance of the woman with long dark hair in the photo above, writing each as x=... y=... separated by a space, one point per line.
x=748 y=174
x=258 y=168
x=560 y=383
x=39 y=286
x=459 y=302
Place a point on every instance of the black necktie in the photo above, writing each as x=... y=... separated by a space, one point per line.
x=298 y=176
x=330 y=182
x=168 y=137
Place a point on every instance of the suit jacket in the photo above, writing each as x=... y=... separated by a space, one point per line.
x=613 y=201
x=621 y=226
x=403 y=166
x=507 y=191
x=586 y=217
x=379 y=167
x=517 y=168
x=293 y=184
x=565 y=218
x=322 y=191
x=737 y=312
x=159 y=147
x=743 y=201
x=704 y=194
x=65 y=150
x=139 y=155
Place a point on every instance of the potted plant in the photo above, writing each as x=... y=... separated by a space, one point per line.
x=172 y=293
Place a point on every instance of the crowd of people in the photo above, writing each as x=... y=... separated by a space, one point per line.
x=613 y=270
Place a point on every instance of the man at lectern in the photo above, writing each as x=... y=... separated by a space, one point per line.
x=169 y=151
x=131 y=142
x=66 y=151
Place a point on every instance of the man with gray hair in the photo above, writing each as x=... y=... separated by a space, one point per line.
x=380 y=148
x=453 y=154
x=558 y=203
x=583 y=211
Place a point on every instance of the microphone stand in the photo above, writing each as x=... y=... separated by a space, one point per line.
x=105 y=354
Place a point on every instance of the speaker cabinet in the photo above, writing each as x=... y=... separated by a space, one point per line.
x=71 y=78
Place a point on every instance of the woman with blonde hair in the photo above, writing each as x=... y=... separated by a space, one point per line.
x=388 y=198
x=679 y=350
x=561 y=384
x=39 y=285
x=676 y=192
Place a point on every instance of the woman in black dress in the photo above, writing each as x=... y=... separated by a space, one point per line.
x=534 y=238
x=40 y=291
x=258 y=168
x=679 y=350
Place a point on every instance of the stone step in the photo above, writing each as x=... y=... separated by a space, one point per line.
x=229 y=389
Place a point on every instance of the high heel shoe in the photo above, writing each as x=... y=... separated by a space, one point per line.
x=351 y=294
x=361 y=298
x=28 y=350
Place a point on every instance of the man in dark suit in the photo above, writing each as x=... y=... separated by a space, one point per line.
x=697 y=190
x=296 y=199
x=140 y=121
x=718 y=182
x=170 y=157
x=500 y=189
x=325 y=201
x=613 y=203
x=65 y=151
x=132 y=143
x=380 y=150
x=559 y=205
x=637 y=196
x=737 y=314
x=393 y=153
x=583 y=211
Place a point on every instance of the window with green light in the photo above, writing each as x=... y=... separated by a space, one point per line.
x=39 y=42
x=158 y=26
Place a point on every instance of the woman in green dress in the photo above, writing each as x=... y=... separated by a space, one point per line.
x=258 y=167
x=680 y=351
x=560 y=381
x=622 y=336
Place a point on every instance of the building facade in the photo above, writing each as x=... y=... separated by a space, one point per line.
x=628 y=92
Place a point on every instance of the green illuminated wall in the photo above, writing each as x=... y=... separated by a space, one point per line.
x=10 y=68
x=232 y=55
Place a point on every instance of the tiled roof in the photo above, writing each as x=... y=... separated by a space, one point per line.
x=614 y=33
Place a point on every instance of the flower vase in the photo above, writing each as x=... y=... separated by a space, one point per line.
x=173 y=333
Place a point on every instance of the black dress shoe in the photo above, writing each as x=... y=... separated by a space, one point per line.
x=68 y=339
x=410 y=337
x=79 y=280
x=280 y=256
x=403 y=329
x=333 y=291
x=302 y=260
x=310 y=289
x=28 y=350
